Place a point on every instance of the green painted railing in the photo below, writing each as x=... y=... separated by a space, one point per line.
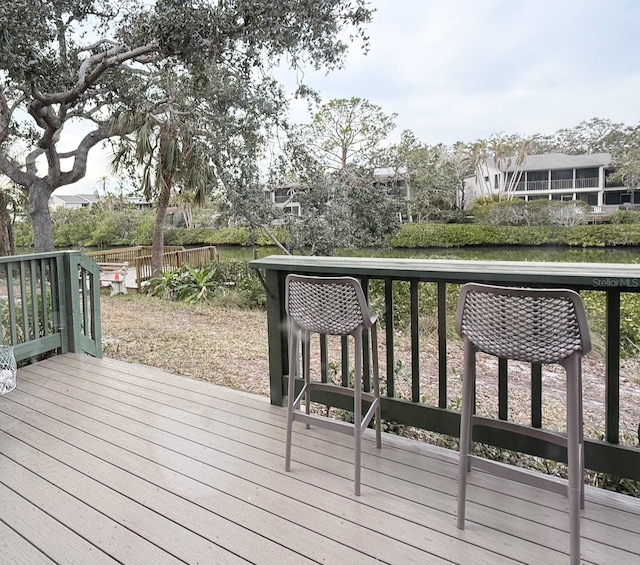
x=606 y=456
x=50 y=302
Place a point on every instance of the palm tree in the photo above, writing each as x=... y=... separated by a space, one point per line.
x=168 y=152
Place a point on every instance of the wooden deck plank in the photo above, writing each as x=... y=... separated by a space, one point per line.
x=139 y=431
x=116 y=542
x=19 y=515
x=447 y=545
x=226 y=532
x=235 y=482
x=603 y=513
x=548 y=526
x=444 y=520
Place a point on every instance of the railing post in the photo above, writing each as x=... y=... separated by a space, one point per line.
x=277 y=335
x=71 y=290
x=442 y=344
x=612 y=386
x=138 y=266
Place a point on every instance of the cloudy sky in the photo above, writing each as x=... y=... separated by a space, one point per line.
x=464 y=69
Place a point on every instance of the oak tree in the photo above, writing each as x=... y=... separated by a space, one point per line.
x=85 y=62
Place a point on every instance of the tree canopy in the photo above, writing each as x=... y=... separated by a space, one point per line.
x=347 y=131
x=89 y=61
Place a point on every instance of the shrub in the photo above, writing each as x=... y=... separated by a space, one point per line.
x=625 y=217
x=215 y=281
x=459 y=235
x=535 y=213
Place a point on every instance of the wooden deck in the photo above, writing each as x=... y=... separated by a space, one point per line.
x=108 y=462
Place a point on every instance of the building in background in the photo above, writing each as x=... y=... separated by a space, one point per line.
x=72 y=201
x=395 y=182
x=551 y=176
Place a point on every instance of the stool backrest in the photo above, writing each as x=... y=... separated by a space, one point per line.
x=333 y=306
x=536 y=326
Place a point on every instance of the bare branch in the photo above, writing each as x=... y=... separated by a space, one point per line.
x=90 y=70
x=82 y=152
x=14 y=173
x=98 y=44
x=30 y=160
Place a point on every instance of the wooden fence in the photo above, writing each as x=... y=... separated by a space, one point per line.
x=172 y=260
x=128 y=254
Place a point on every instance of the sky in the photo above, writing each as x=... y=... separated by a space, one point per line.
x=460 y=70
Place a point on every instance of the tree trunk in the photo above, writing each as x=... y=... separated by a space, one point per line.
x=39 y=193
x=157 y=248
x=7 y=246
x=168 y=132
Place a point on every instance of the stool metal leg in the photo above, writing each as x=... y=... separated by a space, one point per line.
x=306 y=370
x=357 y=409
x=376 y=384
x=574 y=457
x=293 y=363
x=468 y=383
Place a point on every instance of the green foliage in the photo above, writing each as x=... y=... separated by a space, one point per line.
x=207 y=59
x=616 y=484
x=434 y=172
x=21 y=336
x=23 y=234
x=596 y=306
x=89 y=228
x=163 y=286
x=72 y=227
x=347 y=131
x=517 y=212
x=195 y=284
x=341 y=210
x=228 y=282
x=118 y=227
x=223 y=236
x=625 y=217
x=459 y=235
x=99 y=227
x=427 y=301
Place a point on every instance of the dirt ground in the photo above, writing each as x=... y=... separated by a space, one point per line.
x=228 y=346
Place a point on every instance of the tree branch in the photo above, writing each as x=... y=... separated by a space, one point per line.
x=90 y=70
x=14 y=173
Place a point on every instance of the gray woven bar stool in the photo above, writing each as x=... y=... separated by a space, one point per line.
x=330 y=306
x=535 y=326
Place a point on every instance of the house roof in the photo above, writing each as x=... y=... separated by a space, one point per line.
x=72 y=198
x=95 y=197
x=554 y=161
x=390 y=171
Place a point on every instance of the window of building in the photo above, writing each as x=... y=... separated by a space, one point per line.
x=537 y=175
x=293 y=210
x=590 y=198
x=496 y=182
x=612 y=182
x=587 y=173
x=617 y=197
